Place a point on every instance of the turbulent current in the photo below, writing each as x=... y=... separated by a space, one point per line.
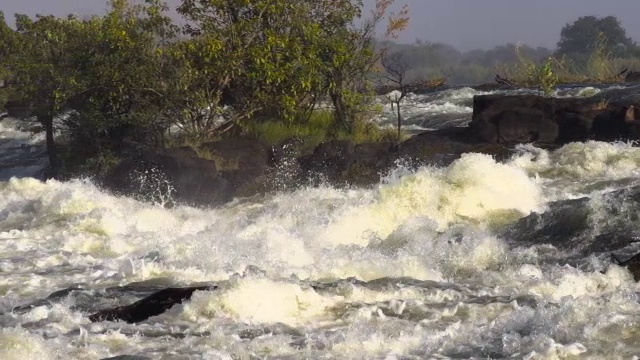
x=480 y=259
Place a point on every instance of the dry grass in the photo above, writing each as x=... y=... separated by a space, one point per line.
x=600 y=67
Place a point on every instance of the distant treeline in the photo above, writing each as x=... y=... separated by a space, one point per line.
x=589 y=47
x=427 y=60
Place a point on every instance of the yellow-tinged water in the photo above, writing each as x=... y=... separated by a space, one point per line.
x=413 y=268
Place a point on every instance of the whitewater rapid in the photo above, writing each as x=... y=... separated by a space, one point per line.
x=415 y=267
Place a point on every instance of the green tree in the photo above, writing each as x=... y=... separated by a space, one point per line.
x=260 y=58
x=98 y=75
x=38 y=60
x=350 y=54
x=581 y=38
x=123 y=74
x=280 y=56
x=7 y=46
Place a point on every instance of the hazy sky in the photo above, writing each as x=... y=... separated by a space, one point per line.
x=465 y=24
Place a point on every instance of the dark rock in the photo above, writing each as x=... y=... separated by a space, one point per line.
x=442 y=147
x=490 y=110
x=18 y=110
x=503 y=81
x=331 y=159
x=632 y=76
x=525 y=126
x=233 y=155
x=493 y=87
x=54 y=298
x=342 y=162
x=618 y=123
x=633 y=265
x=194 y=180
x=227 y=169
x=152 y=305
x=512 y=119
x=568 y=225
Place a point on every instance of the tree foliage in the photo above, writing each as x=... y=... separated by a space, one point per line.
x=263 y=43
x=129 y=75
x=580 y=38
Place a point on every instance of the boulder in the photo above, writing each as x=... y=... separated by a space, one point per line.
x=525 y=126
x=237 y=155
x=632 y=76
x=343 y=162
x=177 y=173
x=632 y=264
x=152 y=305
x=216 y=174
x=17 y=109
x=514 y=119
x=331 y=158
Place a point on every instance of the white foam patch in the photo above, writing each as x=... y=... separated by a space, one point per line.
x=259 y=301
x=576 y=284
x=474 y=189
x=19 y=344
x=577 y=167
x=577 y=92
x=289 y=233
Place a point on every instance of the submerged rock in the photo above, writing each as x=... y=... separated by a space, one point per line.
x=54 y=298
x=568 y=226
x=152 y=305
x=633 y=265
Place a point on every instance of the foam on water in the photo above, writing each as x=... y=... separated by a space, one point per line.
x=19 y=344
x=450 y=107
x=245 y=301
x=578 y=169
x=409 y=268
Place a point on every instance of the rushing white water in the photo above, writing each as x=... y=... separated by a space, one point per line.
x=413 y=268
x=21 y=150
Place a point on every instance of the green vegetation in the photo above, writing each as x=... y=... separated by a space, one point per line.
x=600 y=66
x=252 y=68
x=237 y=68
x=590 y=34
x=320 y=126
x=590 y=50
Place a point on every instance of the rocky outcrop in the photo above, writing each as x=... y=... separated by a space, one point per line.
x=177 y=173
x=342 y=162
x=630 y=75
x=222 y=170
x=219 y=172
x=16 y=109
x=514 y=119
